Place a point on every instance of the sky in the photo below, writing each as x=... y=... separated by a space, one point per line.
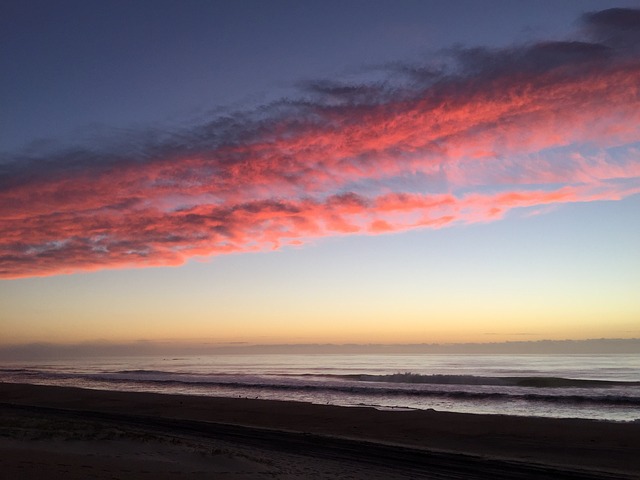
x=284 y=172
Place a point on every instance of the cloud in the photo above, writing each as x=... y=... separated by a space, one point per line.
x=617 y=27
x=490 y=132
x=45 y=351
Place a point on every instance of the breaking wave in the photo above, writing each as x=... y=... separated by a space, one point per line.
x=552 y=390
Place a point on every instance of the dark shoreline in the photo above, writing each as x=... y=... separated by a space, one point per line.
x=435 y=443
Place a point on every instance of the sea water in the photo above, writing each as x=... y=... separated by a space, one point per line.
x=603 y=387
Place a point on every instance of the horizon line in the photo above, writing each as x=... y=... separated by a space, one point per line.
x=37 y=351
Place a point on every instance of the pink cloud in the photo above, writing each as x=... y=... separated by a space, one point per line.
x=477 y=144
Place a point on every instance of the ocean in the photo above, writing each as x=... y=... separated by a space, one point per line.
x=603 y=387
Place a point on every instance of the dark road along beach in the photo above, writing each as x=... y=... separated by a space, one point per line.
x=68 y=431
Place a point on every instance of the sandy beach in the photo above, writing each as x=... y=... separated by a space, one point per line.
x=57 y=432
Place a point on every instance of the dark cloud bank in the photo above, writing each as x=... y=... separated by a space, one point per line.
x=48 y=351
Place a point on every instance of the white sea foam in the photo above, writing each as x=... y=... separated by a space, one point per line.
x=603 y=387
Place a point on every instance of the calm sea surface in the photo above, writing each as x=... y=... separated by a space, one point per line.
x=603 y=387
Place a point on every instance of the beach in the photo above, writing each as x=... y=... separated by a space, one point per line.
x=82 y=433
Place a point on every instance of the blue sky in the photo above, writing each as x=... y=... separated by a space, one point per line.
x=96 y=89
x=76 y=67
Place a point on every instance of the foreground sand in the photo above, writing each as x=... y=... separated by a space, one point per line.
x=55 y=432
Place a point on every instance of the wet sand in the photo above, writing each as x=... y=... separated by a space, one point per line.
x=57 y=432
